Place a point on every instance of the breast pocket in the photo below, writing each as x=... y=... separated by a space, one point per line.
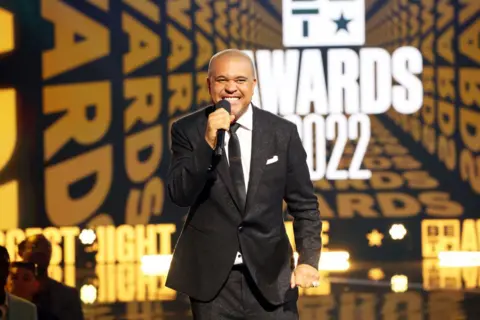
x=274 y=173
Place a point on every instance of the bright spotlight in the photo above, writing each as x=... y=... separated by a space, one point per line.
x=455 y=259
x=88 y=293
x=399 y=283
x=87 y=236
x=397 y=231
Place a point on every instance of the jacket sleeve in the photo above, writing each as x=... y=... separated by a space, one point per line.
x=302 y=204
x=189 y=168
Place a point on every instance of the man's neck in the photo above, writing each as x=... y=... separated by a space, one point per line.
x=43 y=283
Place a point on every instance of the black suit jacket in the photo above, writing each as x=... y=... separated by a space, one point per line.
x=45 y=314
x=60 y=300
x=215 y=228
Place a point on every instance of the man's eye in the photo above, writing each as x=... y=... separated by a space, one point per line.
x=241 y=80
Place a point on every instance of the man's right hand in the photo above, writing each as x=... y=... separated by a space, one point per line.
x=220 y=119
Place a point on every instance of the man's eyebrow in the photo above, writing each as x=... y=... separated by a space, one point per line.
x=235 y=77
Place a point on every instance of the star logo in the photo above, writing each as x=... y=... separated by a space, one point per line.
x=342 y=23
x=375 y=238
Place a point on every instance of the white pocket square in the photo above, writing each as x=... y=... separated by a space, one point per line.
x=272 y=160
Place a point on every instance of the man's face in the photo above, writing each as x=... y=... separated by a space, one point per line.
x=22 y=283
x=232 y=78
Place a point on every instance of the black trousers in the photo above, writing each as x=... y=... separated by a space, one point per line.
x=239 y=298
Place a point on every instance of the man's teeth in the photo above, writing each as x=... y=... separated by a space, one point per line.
x=231 y=98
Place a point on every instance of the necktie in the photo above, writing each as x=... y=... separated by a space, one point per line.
x=236 y=169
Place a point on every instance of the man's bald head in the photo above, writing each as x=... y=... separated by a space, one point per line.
x=231 y=75
x=230 y=53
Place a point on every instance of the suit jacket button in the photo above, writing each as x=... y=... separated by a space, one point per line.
x=240 y=228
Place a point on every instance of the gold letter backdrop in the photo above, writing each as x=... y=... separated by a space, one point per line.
x=89 y=90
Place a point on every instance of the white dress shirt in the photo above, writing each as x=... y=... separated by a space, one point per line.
x=244 y=133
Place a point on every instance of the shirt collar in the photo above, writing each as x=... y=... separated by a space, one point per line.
x=246 y=120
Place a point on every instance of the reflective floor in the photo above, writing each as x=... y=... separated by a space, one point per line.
x=364 y=291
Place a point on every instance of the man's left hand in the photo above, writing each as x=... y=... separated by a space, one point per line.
x=304 y=276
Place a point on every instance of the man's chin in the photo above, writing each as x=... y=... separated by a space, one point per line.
x=239 y=111
x=236 y=105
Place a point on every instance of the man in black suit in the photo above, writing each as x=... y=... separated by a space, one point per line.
x=61 y=300
x=233 y=258
x=23 y=282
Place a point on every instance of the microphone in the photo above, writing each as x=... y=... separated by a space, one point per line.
x=221 y=133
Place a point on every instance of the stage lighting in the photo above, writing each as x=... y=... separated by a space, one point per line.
x=376 y=274
x=331 y=261
x=156 y=264
x=87 y=236
x=451 y=259
x=88 y=293
x=397 y=231
x=159 y=264
x=399 y=283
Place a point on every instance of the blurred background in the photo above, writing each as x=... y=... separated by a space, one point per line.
x=386 y=97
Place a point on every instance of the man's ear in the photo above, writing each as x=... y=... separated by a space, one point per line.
x=208 y=84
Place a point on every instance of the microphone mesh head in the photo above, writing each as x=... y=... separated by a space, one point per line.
x=225 y=104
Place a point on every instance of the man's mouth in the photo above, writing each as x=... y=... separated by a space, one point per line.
x=229 y=98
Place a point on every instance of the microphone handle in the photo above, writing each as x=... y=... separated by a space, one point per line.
x=220 y=142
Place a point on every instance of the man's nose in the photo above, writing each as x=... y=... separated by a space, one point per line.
x=231 y=87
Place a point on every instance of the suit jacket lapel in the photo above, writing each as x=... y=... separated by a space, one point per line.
x=261 y=146
x=220 y=165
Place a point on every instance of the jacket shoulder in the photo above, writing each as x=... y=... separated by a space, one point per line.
x=278 y=122
x=63 y=289
x=186 y=121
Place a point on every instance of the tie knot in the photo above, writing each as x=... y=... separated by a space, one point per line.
x=234 y=127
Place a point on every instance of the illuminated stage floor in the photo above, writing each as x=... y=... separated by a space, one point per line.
x=366 y=291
